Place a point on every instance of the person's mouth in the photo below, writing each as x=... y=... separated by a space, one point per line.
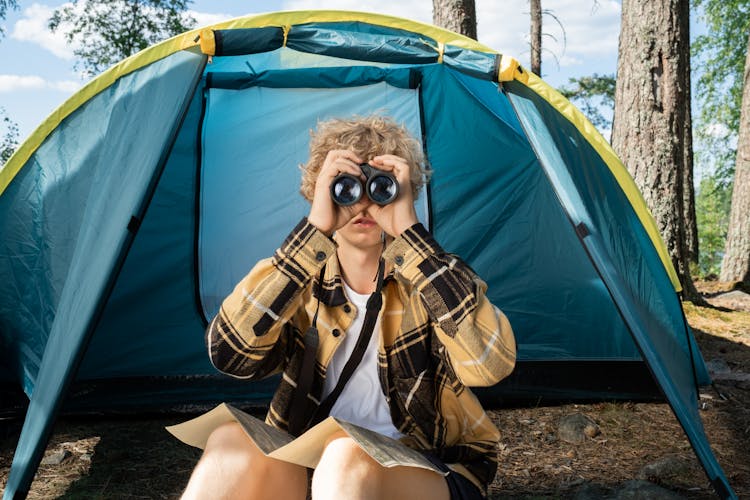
x=364 y=222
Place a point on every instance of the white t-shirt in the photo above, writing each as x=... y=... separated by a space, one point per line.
x=362 y=401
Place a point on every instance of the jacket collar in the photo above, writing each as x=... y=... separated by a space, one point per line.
x=332 y=293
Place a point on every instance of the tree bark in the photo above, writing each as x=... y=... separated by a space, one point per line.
x=736 y=263
x=536 y=36
x=456 y=15
x=651 y=124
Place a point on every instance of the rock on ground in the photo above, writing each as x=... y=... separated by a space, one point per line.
x=576 y=428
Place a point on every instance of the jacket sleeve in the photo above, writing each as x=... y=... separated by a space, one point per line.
x=477 y=337
x=255 y=326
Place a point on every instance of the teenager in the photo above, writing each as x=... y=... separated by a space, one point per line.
x=436 y=334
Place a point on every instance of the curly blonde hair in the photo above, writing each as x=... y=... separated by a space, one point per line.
x=367 y=137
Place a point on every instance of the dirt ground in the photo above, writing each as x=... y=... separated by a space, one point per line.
x=136 y=458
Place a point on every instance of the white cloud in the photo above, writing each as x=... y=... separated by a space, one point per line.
x=12 y=83
x=568 y=60
x=67 y=86
x=592 y=31
x=416 y=10
x=717 y=130
x=32 y=27
x=503 y=26
x=206 y=18
x=9 y=83
x=588 y=32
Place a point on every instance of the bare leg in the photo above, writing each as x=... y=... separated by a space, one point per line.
x=233 y=467
x=345 y=471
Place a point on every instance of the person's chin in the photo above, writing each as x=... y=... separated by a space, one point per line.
x=364 y=235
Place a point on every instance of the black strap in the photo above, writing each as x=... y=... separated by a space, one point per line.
x=297 y=413
x=374 y=303
x=298 y=405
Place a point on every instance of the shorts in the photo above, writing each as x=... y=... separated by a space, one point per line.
x=460 y=487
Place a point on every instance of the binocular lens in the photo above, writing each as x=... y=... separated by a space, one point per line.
x=346 y=190
x=380 y=187
x=382 y=190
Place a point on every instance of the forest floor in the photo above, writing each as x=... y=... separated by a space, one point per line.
x=136 y=458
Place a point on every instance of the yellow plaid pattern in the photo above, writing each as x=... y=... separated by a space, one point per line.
x=440 y=335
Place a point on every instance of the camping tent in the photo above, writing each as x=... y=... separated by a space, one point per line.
x=135 y=207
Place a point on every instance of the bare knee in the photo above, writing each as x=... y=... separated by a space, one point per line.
x=344 y=451
x=228 y=436
x=228 y=444
x=230 y=464
x=346 y=471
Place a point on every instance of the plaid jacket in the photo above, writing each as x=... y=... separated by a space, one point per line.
x=440 y=334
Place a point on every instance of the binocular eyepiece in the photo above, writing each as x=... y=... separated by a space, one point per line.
x=381 y=187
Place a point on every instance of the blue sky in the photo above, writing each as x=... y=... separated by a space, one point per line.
x=37 y=75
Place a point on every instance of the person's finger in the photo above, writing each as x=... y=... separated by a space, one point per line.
x=338 y=162
x=391 y=163
x=390 y=160
x=347 y=166
x=395 y=165
x=342 y=154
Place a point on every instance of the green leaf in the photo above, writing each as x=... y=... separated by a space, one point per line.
x=104 y=32
x=590 y=94
x=6 y=5
x=718 y=59
x=712 y=202
x=9 y=140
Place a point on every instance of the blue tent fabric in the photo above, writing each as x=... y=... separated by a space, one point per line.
x=57 y=228
x=591 y=197
x=169 y=255
x=114 y=188
x=117 y=246
x=475 y=188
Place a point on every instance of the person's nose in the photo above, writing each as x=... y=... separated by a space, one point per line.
x=362 y=206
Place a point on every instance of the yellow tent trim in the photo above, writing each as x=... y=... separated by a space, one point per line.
x=510 y=69
x=193 y=40
x=208 y=42
x=621 y=174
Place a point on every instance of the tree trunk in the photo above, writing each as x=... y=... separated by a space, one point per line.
x=536 y=36
x=652 y=116
x=456 y=15
x=736 y=263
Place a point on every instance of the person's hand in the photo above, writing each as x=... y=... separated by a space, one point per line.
x=399 y=215
x=326 y=215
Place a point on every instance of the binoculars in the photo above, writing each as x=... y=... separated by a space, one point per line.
x=381 y=187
